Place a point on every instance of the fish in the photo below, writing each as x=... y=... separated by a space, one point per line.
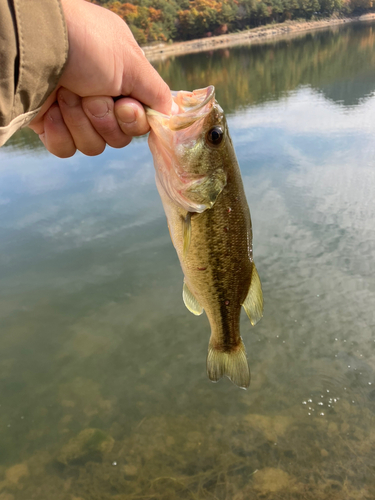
x=200 y=185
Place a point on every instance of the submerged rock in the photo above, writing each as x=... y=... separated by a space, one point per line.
x=89 y=442
x=6 y=496
x=272 y=427
x=270 y=480
x=16 y=472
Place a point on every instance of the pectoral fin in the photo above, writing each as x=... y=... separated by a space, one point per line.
x=253 y=304
x=204 y=191
x=190 y=301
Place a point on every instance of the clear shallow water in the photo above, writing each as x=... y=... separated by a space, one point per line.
x=103 y=390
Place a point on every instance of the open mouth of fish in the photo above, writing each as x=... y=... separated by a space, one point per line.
x=177 y=138
x=192 y=106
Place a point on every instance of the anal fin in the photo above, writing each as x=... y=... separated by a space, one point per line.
x=253 y=304
x=190 y=301
x=231 y=363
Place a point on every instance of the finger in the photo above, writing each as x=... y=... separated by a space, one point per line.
x=85 y=137
x=131 y=117
x=56 y=136
x=100 y=112
x=37 y=124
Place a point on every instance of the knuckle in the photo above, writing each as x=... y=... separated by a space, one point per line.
x=106 y=127
x=62 y=150
x=65 y=154
x=92 y=149
x=121 y=142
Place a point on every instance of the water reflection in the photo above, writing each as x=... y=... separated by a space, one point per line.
x=25 y=139
x=102 y=369
x=340 y=63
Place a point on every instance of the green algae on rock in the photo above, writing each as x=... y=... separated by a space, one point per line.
x=87 y=443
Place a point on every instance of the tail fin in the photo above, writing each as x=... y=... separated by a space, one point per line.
x=232 y=363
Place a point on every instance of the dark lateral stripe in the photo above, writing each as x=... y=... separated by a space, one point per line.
x=228 y=338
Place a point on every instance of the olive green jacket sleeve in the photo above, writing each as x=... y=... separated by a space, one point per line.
x=33 y=52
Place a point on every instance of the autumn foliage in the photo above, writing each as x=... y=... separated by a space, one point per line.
x=176 y=20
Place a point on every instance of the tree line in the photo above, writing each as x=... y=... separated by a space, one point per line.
x=177 y=20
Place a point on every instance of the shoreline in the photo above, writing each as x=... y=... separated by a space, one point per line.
x=254 y=35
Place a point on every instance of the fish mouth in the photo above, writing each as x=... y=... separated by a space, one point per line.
x=192 y=106
x=193 y=102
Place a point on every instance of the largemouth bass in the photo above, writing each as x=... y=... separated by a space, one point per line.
x=199 y=182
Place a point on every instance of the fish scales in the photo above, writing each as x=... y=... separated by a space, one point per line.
x=199 y=182
x=218 y=240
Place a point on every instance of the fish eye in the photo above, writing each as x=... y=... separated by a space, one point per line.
x=215 y=136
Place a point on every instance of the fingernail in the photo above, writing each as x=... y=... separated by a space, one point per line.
x=98 y=108
x=68 y=97
x=54 y=114
x=126 y=113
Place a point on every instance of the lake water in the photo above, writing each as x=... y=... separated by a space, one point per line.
x=103 y=390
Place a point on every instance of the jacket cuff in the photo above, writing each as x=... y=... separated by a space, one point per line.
x=41 y=54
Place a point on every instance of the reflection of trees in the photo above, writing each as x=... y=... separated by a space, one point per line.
x=252 y=74
x=25 y=139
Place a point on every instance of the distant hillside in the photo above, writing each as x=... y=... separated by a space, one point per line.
x=178 y=20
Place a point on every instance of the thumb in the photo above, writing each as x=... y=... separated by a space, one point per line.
x=149 y=88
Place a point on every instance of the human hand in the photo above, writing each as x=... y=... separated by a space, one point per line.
x=89 y=123
x=104 y=60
